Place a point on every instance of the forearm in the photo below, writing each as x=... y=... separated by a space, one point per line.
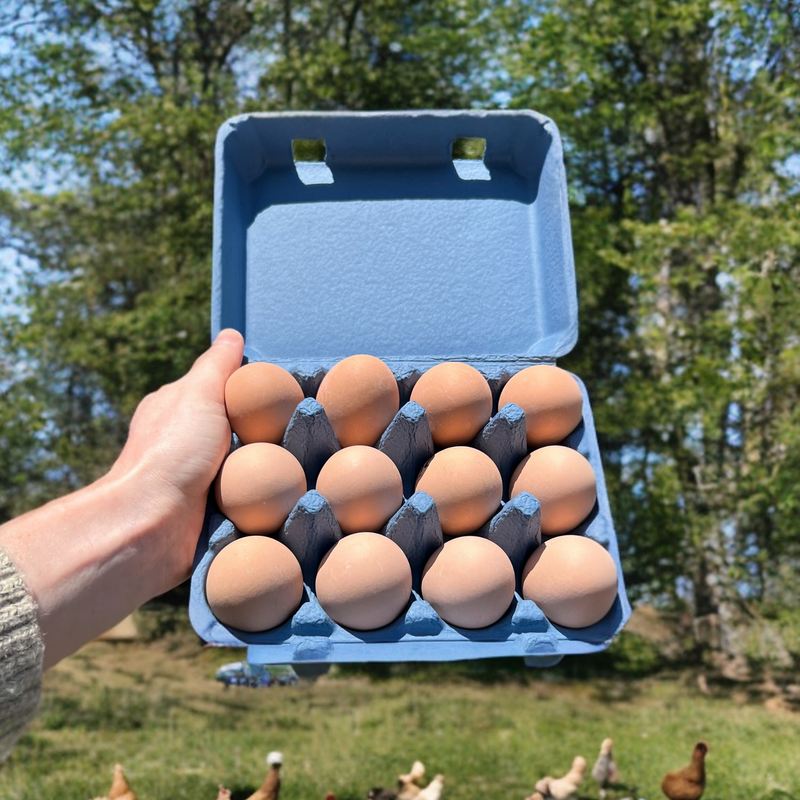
x=89 y=559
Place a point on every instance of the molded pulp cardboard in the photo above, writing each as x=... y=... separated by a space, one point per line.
x=392 y=247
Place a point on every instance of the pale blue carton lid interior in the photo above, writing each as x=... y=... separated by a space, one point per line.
x=398 y=256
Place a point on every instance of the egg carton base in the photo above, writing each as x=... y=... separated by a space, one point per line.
x=410 y=651
x=311 y=530
x=447 y=644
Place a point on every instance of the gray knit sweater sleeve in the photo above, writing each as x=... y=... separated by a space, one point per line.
x=21 y=652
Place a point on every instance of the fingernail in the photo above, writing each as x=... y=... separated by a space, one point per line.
x=228 y=336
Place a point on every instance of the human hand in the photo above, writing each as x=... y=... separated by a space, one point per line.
x=94 y=556
x=177 y=441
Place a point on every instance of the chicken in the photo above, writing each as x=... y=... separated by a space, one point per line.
x=408 y=785
x=270 y=789
x=224 y=794
x=604 y=770
x=690 y=782
x=120 y=788
x=433 y=791
x=565 y=788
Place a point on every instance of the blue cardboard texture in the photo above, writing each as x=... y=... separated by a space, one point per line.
x=395 y=248
x=399 y=256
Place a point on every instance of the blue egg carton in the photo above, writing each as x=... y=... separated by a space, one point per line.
x=389 y=245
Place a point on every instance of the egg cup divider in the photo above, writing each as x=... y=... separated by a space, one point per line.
x=407 y=441
x=310 y=438
x=491 y=263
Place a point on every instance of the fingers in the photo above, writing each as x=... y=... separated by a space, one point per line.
x=221 y=359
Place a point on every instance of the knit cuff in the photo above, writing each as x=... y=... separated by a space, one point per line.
x=21 y=654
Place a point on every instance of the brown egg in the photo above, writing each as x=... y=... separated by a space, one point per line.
x=260 y=400
x=469 y=581
x=466 y=486
x=457 y=401
x=258 y=486
x=551 y=399
x=563 y=481
x=572 y=579
x=254 y=584
x=360 y=397
x=364 y=581
x=363 y=487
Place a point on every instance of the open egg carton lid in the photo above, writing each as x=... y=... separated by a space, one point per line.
x=418 y=237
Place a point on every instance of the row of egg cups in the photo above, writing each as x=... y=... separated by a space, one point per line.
x=407 y=439
x=311 y=531
x=406 y=373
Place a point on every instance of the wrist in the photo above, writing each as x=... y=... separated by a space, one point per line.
x=87 y=559
x=171 y=522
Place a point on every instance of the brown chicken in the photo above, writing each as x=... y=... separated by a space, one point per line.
x=224 y=794
x=690 y=782
x=270 y=789
x=120 y=788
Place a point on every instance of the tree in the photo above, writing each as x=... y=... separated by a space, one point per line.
x=682 y=156
x=110 y=113
x=678 y=122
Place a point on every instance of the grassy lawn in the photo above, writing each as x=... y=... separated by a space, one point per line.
x=492 y=728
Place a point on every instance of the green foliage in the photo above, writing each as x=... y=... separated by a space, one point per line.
x=678 y=123
x=681 y=143
x=101 y=710
x=111 y=110
x=158 y=619
x=180 y=734
x=634 y=655
x=629 y=656
x=308 y=149
x=473 y=149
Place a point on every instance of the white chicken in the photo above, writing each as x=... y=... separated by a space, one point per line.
x=565 y=788
x=433 y=791
x=408 y=785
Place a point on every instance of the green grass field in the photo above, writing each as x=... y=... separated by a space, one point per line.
x=492 y=728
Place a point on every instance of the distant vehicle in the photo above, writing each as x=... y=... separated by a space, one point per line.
x=243 y=673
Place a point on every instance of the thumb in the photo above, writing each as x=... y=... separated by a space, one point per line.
x=222 y=359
